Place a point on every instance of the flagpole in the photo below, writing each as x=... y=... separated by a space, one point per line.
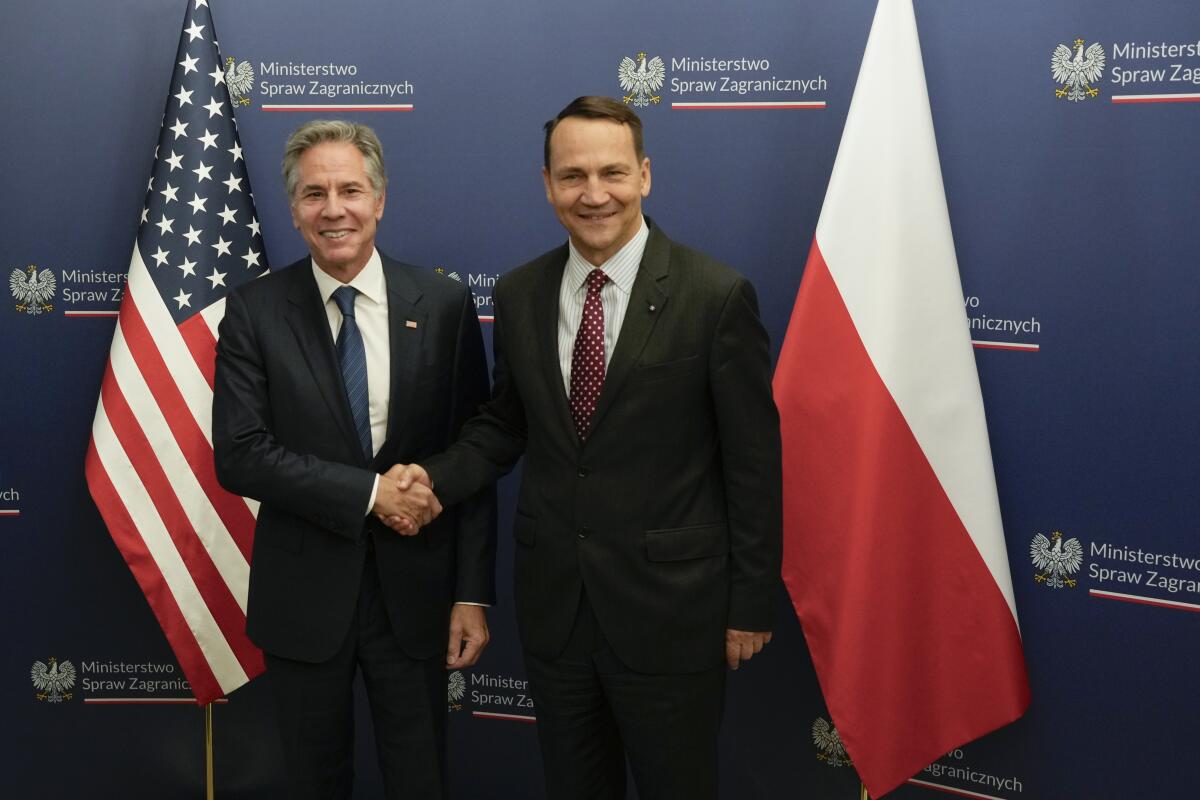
x=862 y=792
x=208 y=752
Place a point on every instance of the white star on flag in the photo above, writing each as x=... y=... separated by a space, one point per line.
x=251 y=258
x=197 y=203
x=183 y=298
x=168 y=193
x=217 y=278
x=184 y=96
x=180 y=128
x=188 y=64
x=214 y=109
x=161 y=257
x=192 y=235
x=209 y=139
x=234 y=184
x=175 y=160
x=202 y=172
x=194 y=31
x=227 y=215
x=221 y=246
x=188 y=267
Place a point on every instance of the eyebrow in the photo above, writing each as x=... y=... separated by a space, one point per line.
x=343 y=185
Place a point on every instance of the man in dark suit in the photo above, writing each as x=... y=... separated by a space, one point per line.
x=633 y=373
x=330 y=372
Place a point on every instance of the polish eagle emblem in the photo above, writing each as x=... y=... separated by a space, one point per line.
x=641 y=79
x=829 y=742
x=239 y=78
x=33 y=290
x=1077 y=69
x=456 y=689
x=1058 y=561
x=53 y=682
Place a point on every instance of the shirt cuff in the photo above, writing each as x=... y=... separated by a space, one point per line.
x=469 y=603
x=374 y=491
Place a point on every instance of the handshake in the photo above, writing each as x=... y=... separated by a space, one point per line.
x=405 y=500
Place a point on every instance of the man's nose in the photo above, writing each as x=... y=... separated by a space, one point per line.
x=332 y=207
x=594 y=192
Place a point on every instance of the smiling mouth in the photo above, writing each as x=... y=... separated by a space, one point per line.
x=597 y=217
x=334 y=234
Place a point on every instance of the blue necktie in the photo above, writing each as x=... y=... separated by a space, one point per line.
x=352 y=356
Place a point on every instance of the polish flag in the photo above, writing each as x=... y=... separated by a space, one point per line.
x=894 y=553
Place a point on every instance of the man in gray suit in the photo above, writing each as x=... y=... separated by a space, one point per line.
x=633 y=373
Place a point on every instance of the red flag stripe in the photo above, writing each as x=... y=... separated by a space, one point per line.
x=190 y=437
x=150 y=580
x=857 y=593
x=228 y=558
x=202 y=345
x=213 y=590
x=146 y=568
x=193 y=388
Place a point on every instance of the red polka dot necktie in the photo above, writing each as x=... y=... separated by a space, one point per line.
x=587 y=359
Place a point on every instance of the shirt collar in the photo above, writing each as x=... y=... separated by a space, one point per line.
x=369 y=281
x=621 y=268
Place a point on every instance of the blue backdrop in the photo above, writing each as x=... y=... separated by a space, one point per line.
x=1077 y=236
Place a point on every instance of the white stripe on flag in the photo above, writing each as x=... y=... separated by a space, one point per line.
x=209 y=527
x=213 y=315
x=184 y=371
x=150 y=527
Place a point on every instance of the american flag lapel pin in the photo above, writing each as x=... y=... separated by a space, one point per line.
x=408 y=323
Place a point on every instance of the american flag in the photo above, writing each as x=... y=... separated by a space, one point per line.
x=150 y=460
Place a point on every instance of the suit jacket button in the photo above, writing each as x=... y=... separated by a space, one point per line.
x=584 y=533
x=584 y=472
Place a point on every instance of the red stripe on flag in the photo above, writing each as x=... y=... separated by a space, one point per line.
x=202 y=345
x=907 y=627
x=191 y=439
x=212 y=587
x=145 y=570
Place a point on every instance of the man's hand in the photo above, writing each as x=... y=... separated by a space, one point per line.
x=468 y=635
x=742 y=645
x=409 y=474
x=404 y=509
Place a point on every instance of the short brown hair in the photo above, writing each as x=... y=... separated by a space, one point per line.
x=595 y=107
x=319 y=131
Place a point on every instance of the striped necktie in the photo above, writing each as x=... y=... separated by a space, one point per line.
x=352 y=356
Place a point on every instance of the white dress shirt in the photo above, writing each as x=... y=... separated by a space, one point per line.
x=371 y=315
x=621 y=270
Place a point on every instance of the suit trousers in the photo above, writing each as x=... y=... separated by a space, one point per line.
x=315 y=710
x=593 y=712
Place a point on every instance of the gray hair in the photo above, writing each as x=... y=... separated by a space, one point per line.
x=319 y=131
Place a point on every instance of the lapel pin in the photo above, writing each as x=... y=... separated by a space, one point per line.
x=408 y=323
x=652 y=307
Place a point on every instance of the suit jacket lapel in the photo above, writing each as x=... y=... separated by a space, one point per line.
x=546 y=310
x=406 y=328
x=646 y=301
x=306 y=317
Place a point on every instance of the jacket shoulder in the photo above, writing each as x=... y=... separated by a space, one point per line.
x=523 y=278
